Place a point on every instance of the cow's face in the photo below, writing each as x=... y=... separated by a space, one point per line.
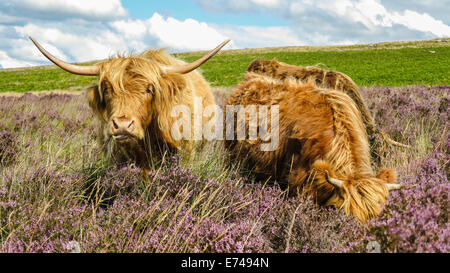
x=357 y=202
x=362 y=197
x=129 y=95
x=126 y=110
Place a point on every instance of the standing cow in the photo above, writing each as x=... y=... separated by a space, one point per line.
x=323 y=149
x=134 y=99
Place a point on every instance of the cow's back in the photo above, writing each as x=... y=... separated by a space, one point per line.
x=322 y=78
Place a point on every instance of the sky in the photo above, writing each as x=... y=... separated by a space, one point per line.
x=85 y=30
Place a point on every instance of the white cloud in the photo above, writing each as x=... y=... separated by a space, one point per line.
x=421 y=22
x=343 y=21
x=97 y=7
x=130 y=28
x=23 y=49
x=253 y=37
x=181 y=35
x=62 y=9
x=373 y=14
x=439 y=9
x=79 y=41
x=79 y=47
x=267 y=3
x=7 y=62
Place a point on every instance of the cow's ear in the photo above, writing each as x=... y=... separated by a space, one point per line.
x=94 y=99
x=172 y=83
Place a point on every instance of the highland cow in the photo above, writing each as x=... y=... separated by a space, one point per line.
x=323 y=149
x=134 y=99
x=329 y=80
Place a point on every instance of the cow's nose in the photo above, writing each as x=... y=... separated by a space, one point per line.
x=122 y=125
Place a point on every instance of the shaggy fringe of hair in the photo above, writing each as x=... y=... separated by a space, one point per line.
x=167 y=88
x=364 y=196
x=349 y=160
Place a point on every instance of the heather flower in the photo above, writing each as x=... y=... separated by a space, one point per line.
x=416 y=218
x=61 y=196
x=9 y=146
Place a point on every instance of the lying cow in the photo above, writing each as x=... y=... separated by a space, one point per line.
x=323 y=149
x=134 y=99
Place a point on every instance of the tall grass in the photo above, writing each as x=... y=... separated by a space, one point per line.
x=59 y=194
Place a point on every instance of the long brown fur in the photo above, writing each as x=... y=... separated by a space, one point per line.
x=329 y=80
x=123 y=90
x=320 y=130
x=323 y=78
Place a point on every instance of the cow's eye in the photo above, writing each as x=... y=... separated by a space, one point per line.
x=104 y=89
x=149 y=89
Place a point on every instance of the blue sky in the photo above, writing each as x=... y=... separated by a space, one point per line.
x=182 y=10
x=85 y=30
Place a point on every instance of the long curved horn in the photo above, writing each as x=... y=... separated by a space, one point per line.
x=74 y=69
x=183 y=69
x=394 y=186
x=333 y=181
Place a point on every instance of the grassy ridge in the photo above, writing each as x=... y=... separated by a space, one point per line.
x=42 y=79
x=367 y=67
x=394 y=67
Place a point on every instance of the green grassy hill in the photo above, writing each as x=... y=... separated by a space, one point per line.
x=393 y=64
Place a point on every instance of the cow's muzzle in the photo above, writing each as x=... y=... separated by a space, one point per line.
x=122 y=128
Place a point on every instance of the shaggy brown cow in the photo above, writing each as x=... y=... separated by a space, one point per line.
x=330 y=80
x=323 y=148
x=134 y=99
